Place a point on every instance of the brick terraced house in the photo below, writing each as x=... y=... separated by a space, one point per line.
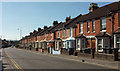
x=99 y=29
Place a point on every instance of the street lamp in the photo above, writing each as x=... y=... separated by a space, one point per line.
x=20 y=32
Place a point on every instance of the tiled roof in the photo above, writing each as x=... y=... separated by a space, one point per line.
x=40 y=33
x=103 y=34
x=117 y=31
x=80 y=36
x=61 y=25
x=58 y=39
x=47 y=30
x=100 y=12
x=72 y=22
x=56 y=27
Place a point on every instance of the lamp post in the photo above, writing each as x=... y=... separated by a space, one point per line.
x=20 y=32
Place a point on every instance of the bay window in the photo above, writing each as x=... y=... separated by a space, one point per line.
x=117 y=41
x=103 y=42
x=100 y=44
x=78 y=44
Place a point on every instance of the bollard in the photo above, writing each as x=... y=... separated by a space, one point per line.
x=93 y=52
x=116 y=54
x=30 y=48
x=36 y=49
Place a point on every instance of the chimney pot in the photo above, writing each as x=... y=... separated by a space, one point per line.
x=45 y=27
x=39 y=29
x=55 y=23
x=67 y=18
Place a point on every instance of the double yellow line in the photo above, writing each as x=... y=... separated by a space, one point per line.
x=15 y=63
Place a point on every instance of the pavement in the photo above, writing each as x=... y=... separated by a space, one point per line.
x=25 y=59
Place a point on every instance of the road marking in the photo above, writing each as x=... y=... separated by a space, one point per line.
x=15 y=63
x=7 y=60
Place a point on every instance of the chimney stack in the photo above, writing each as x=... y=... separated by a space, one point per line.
x=93 y=6
x=34 y=31
x=67 y=18
x=45 y=27
x=55 y=23
x=30 y=33
x=39 y=29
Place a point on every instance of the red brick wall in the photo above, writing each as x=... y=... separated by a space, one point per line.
x=56 y=34
x=78 y=29
x=53 y=36
x=98 y=26
x=64 y=35
x=68 y=33
x=60 y=33
x=43 y=36
x=116 y=21
x=73 y=32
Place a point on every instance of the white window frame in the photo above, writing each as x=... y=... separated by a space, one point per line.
x=88 y=26
x=93 y=26
x=103 y=24
x=71 y=32
x=68 y=44
x=100 y=44
x=115 y=41
x=78 y=44
x=81 y=28
x=51 y=36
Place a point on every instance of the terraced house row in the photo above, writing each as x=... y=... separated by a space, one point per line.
x=99 y=29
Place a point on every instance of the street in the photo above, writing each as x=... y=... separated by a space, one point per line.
x=24 y=59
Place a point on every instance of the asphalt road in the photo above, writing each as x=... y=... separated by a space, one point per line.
x=28 y=60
